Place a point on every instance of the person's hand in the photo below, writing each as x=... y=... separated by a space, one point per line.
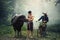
x=44 y=21
x=36 y=21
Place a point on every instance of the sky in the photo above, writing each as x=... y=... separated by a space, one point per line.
x=37 y=7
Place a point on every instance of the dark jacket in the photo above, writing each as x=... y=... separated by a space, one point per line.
x=43 y=18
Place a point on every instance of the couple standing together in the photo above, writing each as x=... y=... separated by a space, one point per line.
x=30 y=18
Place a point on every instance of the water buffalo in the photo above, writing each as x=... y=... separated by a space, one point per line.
x=17 y=23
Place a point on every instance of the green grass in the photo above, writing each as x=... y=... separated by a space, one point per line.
x=9 y=32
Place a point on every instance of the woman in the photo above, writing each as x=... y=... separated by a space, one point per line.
x=44 y=19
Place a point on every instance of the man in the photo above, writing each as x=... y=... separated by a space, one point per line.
x=44 y=19
x=30 y=24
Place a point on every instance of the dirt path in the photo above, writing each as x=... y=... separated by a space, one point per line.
x=50 y=36
x=11 y=38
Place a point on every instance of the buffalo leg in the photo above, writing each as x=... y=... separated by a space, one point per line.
x=18 y=33
x=15 y=32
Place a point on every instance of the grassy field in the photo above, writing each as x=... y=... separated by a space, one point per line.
x=7 y=33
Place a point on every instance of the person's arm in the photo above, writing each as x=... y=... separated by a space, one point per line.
x=32 y=18
x=39 y=18
x=28 y=19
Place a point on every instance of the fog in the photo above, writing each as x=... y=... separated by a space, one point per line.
x=37 y=7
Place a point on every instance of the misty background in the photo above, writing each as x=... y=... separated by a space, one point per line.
x=8 y=8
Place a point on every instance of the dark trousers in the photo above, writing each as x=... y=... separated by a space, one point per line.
x=30 y=26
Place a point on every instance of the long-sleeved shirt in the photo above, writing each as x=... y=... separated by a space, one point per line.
x=43 y=18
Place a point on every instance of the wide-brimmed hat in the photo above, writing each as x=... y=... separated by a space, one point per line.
x=44 y=13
